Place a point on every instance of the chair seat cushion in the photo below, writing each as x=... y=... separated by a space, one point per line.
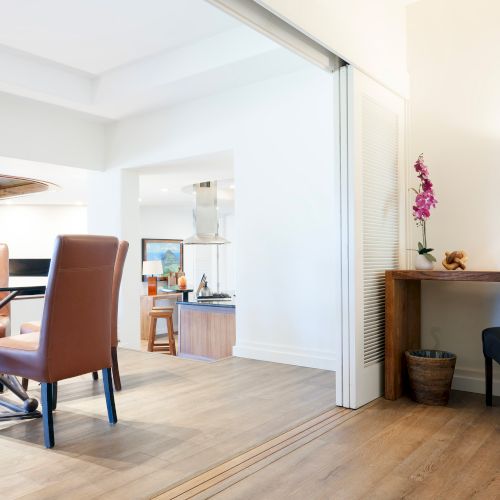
x=32 y=326
x=4 y=325
x=26 y=342
x=19 y=355
x=491 y=343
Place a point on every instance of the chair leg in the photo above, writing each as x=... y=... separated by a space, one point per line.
x=24 y=383
x=95 y=376
x=488 y=364
x=110 y=398
x=116 y=370
x=48 y=421
x=54 y=396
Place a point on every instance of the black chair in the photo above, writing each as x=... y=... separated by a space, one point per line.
x=491 y=351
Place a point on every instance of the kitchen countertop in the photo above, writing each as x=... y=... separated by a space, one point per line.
x=209 y=303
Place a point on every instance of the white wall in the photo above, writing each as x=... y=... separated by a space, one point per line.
x=166 y=222
x=32 y=130
x=30 y=231
x=453 y=49
x=369 y=34
x=281 y=132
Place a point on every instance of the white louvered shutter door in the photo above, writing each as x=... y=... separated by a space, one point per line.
x=376 y=201
x=381 y=223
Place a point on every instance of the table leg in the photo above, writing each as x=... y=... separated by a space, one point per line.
x=185 y=296
x=8 y=298
x=402 y=331
x=29 y=406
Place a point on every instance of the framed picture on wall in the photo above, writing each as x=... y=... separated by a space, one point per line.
x=169 y=252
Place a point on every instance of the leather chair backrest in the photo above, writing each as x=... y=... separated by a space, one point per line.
x=117 y=279
x=4 y=276
x=75 y=333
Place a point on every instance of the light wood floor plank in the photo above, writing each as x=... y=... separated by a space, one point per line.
x=392 y=450
x=177 y=418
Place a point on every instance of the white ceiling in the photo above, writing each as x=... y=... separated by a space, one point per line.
x=98 y=35
x=113 y=58
x=170 y=184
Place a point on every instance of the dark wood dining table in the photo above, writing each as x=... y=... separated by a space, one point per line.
x=26 y=287
x=23 y=286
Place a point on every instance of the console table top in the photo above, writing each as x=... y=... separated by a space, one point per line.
x=487 y=276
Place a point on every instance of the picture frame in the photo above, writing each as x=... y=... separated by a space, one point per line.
x=169 y=251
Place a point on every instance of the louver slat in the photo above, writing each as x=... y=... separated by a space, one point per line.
x=380 y=220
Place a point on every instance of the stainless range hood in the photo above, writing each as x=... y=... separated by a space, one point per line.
x=205 y=214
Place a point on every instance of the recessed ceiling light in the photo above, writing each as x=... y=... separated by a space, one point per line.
x=79 y=203
x=139 y=199
x=164 y=190
x=231 y=186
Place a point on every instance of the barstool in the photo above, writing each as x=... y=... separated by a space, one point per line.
x=154 y=315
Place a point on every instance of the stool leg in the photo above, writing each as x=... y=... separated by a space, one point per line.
x=488 y=365
x=152 y=333
x=171 y=338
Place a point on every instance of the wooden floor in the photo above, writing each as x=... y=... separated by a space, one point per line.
x=388 y=450
x=177 y=418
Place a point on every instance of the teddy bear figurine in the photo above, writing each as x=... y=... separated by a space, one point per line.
x=455 y=260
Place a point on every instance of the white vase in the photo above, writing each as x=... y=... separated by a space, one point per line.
x=423 y=264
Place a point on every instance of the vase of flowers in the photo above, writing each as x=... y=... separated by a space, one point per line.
x=424 y=201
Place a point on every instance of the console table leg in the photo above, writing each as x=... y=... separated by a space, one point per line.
x=402 y=331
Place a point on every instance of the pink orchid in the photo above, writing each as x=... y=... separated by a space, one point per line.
x=424 y=201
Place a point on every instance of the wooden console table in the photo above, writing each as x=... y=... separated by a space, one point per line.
x=402 y=317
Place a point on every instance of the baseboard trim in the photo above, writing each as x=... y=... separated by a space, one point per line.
x=472 y=380
x=310 y=358
x=132 y=347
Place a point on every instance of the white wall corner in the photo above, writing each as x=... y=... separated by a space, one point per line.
x=276 y=353
x=473 y=380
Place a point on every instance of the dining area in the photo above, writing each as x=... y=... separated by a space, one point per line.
x=62 y=384
x=76 y=335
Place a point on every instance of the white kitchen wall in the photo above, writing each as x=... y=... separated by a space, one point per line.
x=30 y=231
x=177 y=223
x=454 y=120
x=286 y=220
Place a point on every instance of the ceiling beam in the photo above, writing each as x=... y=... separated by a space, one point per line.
x=234 y=57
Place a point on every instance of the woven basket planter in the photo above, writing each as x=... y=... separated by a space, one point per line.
x=430 y=373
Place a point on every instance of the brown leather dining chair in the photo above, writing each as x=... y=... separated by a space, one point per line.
x=4 y=281
x=71 y=342
x=117 y=279
x=34 y=326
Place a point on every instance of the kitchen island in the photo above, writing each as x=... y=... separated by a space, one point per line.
x=207 y=329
